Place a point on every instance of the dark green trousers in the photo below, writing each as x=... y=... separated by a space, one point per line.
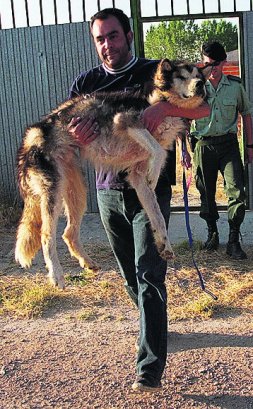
x=130 y=235
x=209 y=159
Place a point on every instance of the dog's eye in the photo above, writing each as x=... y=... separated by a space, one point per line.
x=182 y=78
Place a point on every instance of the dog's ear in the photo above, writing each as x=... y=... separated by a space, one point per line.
x=162 y=74
x=165 y=64
x=206 y=71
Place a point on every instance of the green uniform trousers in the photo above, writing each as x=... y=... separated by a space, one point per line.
x=212 y=155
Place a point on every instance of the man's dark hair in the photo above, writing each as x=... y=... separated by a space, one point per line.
x=120 y=16
x=214 y=50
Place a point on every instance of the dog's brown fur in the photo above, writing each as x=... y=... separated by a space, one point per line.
x=49 y=168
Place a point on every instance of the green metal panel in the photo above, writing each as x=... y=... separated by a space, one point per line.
x=137 y=27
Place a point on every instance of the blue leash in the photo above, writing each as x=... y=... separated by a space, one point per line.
x=187 y=222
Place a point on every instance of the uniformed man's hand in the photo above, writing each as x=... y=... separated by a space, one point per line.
x=185 y=155
x=83 y=130
x=249 y=155
x=186 y=160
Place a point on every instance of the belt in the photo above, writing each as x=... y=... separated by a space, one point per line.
x=216 y=140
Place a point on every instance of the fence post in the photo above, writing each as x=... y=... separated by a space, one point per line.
x=137 y=27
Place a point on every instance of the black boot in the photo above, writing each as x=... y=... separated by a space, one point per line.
x=212 y=242
x=233 y=246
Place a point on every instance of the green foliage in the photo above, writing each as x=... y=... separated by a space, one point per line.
x=222 y=31
x=182 y=40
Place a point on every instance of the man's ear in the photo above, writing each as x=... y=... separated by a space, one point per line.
x=206 y=71
x=130 y=36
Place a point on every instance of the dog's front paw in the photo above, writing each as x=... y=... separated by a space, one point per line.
x=165 y=251
x=167 y=254
x=89 y=264
x=57 y=281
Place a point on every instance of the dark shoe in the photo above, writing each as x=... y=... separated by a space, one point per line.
x=212 y=242
x=142 y=384
x=235 y=251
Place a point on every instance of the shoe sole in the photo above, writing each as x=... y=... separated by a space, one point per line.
x=139 y=388
x=236 y=258
x=210 y=248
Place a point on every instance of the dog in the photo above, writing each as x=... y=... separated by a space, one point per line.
x=49 y=169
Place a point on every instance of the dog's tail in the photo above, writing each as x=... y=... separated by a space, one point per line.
x=29 y=232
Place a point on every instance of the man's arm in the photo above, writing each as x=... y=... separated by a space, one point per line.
x=85 y=131
x=154 y=115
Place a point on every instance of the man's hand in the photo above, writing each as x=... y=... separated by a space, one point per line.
x=83 y=130
x=248 y=129
x=186 y=160
x=185 y=155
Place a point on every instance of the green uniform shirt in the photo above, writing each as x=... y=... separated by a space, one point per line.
x=226 y=102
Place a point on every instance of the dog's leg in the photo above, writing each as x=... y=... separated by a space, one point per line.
x=28 y=234
x=149 y=202
x=157 y=155
x=51 y=205
x=75 y=199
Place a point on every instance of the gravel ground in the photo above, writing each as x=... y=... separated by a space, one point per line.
x=60 y=361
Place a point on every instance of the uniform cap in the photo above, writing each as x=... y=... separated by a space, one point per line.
x=214 y=50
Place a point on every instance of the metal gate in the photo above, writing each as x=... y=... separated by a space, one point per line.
x=40 y=57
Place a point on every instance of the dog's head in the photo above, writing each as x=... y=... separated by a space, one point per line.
x=181 y=83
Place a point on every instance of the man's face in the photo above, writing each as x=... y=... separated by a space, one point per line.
x=111 y=43
x=216 y=72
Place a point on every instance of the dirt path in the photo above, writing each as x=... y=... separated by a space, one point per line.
x=62 y=362
x=58 y=362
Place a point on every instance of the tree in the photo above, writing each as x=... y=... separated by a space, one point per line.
x=183 y=39
x=222 y=31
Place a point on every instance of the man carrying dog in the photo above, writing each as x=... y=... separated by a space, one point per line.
x=218 y=150
x=123 y=217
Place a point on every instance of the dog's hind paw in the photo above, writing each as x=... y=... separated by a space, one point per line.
x=93 y=269
x=23 y=260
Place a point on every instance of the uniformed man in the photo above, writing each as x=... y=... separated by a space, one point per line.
x=217 y=149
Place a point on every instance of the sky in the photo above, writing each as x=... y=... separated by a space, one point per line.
x=180 y=6
x=147 y=9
